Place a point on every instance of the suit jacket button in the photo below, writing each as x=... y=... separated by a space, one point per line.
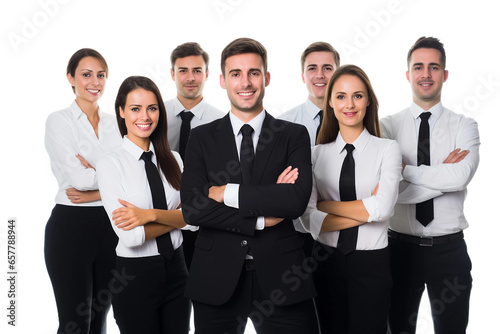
x=244 y=243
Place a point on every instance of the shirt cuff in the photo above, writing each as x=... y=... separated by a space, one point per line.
x=190 y=228
x=371 y=206
x=231 y=195
x=413 y=174
x=316 y=222
x=260 y=223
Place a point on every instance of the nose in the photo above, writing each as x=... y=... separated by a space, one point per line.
x=245 y=81
x=320 y=74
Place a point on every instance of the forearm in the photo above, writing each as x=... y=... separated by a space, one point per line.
x=352 y=209
x=153 y=230
x=337 y=223
x=172 y=218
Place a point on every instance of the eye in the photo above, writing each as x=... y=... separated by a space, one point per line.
x=340 y=97
x=135 y=109
x=328 y=68
x=358 y=96
x=152 y=108
x=86 y=75
x=101 y=75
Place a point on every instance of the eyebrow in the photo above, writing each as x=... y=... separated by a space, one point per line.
x=422 y=64
x=186 y=68
x=317 y=65
x=89 y=70
x=357 y=92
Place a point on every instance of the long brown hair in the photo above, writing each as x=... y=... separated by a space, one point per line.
x=330 y=126
x=166 y=160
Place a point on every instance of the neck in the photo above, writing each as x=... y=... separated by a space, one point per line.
x=142 y=143
x=426 y=105
x=89 y=108
x=350 y=134
x=189 y=103
x=246 y=116
x=318 y=102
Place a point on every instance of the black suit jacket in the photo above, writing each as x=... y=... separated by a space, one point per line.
x=226 y=233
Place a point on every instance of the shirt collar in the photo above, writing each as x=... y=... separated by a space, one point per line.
x=311 y=109
x=359 y=144
x=135 y=150
x=255 y=123
x=436 y=110
x=76 y=112
x=197 y=110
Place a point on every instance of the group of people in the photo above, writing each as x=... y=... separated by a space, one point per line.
x=323 y=220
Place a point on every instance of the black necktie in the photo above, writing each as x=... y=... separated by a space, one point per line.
x=246 y=154
x=347 y=185
x=186 y=116
x=320 y=114
x=163 y=242
x=424 y=210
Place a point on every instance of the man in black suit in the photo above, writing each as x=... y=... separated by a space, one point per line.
x=247 y=263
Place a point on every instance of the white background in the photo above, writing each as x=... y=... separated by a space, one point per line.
x=136 y=38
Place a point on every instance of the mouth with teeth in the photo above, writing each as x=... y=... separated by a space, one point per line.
x=143 y=127
x=246 y=94
x=93 y=91
x=320 y=84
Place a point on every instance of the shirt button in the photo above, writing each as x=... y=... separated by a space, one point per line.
x=244 y=243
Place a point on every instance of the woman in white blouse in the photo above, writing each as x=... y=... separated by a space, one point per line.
x=355 y=186
x=79 y=242
x=151 y=298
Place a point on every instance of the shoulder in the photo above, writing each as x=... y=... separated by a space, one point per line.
x=213 y=112
x=63 y=115
x=292 y=114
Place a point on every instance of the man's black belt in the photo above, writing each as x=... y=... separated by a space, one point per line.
x=426 y=241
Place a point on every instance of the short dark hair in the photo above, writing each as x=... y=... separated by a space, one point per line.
x=241 y=46
x=330 y=126
x=319 y=47
x=186 y=50
x=165 y=158
x=428 y=43
x=79 y=55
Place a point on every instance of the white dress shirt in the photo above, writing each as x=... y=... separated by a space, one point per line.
x=231 y=194
x=446 y=183
x=378 y=162
x=122 y=175
x=68 y=132
x=203 y=113
x=305 y=114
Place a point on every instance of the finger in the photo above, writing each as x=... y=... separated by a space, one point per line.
x=283 y=174
x=125 y=203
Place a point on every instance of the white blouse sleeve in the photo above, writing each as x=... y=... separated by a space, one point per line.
x=110 y=186
x=62 y=147
x=380 y=207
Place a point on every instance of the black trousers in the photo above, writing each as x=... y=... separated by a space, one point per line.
x=151 y=298
x=80 y=257
x=353 y=290
x=445 y=270
x=248 y=301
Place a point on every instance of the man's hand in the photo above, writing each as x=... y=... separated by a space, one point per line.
x=271 y=221
x=289 y=175
x=456 y=156
x=217 y=193
x=130 y=216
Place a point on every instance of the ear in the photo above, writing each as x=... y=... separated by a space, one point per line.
x=222 y=81
x=122 y=114
x=268 y=79
x=303 y=78
x=445 y=75
x=206 y=75
x=71 y=80
x=408 y=76
x=172 y=73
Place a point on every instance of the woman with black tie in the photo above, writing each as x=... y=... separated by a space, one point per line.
x=79 y=242
x=139 y=185
x=355 y=186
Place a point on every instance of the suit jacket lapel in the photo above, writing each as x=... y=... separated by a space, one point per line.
x=227 y=148
x=271 y=129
